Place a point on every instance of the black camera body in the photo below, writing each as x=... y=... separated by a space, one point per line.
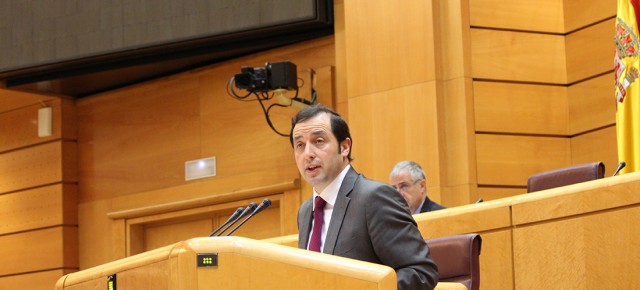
x=275 y=75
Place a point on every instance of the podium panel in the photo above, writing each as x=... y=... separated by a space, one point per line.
x=232 y=263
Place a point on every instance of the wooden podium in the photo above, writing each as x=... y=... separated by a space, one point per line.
x=234 y=263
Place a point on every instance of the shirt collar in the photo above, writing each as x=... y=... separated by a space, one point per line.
x=330 y=193
x=419 y=209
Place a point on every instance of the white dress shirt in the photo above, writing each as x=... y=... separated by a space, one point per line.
x=329 y=194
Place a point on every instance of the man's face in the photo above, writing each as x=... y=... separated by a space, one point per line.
x=412 y=191
x=316 y=150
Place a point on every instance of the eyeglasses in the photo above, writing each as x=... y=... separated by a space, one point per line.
x=403 y=186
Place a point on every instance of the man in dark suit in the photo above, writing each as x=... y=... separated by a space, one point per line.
x=409 y=179
x=360 y=218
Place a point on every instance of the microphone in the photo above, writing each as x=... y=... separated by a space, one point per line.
x=232 y=217
x=620 y=166
x=247 y=210
x=263 y=205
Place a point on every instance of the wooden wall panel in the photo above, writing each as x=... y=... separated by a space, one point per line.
x=453 y=24
x=520 y=108
x=599 y=145
x=459 y=126
x=69 y=120
x=163 y=235
x=554 y=16
x=372 y=30
x=92 y=222
x=47 y=249
x=590 y=51
x=33 y=281
x=455 y=103
x=542 y=15
x=291 y=201
x=38 y=197
x=19 y=128
x=518 y=56
x=409 y=114
x=69 y=161
x=138 y=138
x=38 y=165
x=591 y=104
x=339 y=34
x=581 y=13
x=509 y=108
x=509 y=160
x=41 y=207
x=156 y=230
x=11 y=100
x=265 y=225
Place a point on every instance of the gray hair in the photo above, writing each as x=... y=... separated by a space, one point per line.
x=414 y=168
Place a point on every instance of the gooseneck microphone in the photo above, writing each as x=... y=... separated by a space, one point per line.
x=231 y=218
x=620 y=166
x=263 y=205
x=247 y=210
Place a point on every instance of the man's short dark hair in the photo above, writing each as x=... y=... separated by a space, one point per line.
x=339 y=126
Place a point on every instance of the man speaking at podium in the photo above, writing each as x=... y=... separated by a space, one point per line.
x=349 y=215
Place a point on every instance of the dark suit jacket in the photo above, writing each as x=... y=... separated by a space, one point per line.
x=429 y=205
x=371 y=222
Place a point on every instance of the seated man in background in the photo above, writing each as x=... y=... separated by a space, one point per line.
x=409 y=179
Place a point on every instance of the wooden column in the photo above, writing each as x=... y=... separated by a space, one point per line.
x=406 y=75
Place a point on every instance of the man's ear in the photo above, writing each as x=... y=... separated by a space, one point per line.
x=345 y=147
x=423 y=184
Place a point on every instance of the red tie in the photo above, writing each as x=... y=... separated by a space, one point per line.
x=318 y=218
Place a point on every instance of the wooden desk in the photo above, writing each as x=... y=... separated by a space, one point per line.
x=583 y=236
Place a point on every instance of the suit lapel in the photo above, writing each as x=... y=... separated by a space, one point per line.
x=305 y=226
x=339 y=211
x=425 y=205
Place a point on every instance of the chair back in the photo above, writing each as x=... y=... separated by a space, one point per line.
x=565 y=176
x=458 y=258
